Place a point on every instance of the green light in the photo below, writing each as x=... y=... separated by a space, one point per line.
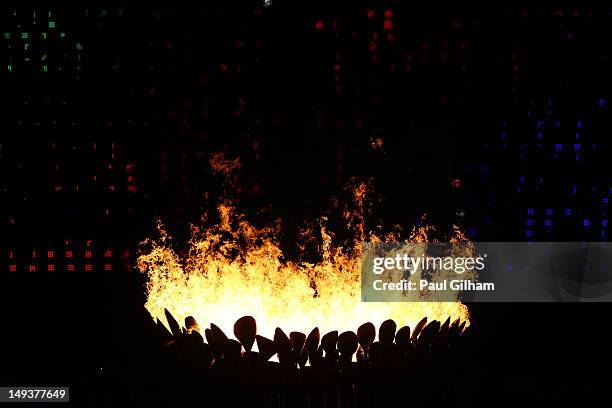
x=9 y=67
x=79 y=46
x=7 y=36
x=45 y=68
x=51 y=24
x=24 y=36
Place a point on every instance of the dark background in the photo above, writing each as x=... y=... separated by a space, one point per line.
x=494 y=118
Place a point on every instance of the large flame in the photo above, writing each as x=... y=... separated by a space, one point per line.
x=234 y=269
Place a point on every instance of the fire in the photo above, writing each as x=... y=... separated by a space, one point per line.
x=234 y=269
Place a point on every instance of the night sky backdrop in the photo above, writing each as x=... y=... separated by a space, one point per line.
x=496 y=119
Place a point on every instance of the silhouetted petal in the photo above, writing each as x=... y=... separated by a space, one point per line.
x=266 y=347
x=445 y=327
x=163 y=331
x=297 y=342
x=386 y=333
x=347 y=344
x=312 y=345
x=233 y=351
x=172 y=323
x=417 y=329
x=245 y=330
x=328 y=342
x=402 y=338
x=366 y=334
x=217 y=334
x=191 y=324
x=281 y=341
x=283 y=348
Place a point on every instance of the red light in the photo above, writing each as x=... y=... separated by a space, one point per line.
x=88 y=254
x=68 y=254
x=32 y=268
x=108 y=253
x=13 y=268
x=107 y=267
x=51 y=268
x=371 y=14
x=88 y=267
x=319 y=25
x=11 y=254
x=50 y=254
x=388 y=25
x=388 y=13
x=70 y=267
x=34 y=253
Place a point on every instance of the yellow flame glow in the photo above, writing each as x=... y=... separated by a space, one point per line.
x=235 y=269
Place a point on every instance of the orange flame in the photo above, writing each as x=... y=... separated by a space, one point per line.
x=234 y=269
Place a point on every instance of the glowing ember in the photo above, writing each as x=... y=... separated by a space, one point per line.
x=235 y=269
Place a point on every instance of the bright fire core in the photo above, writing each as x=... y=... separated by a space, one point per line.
x=234 y=269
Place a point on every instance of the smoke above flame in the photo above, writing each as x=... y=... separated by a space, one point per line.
x=234 y=268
